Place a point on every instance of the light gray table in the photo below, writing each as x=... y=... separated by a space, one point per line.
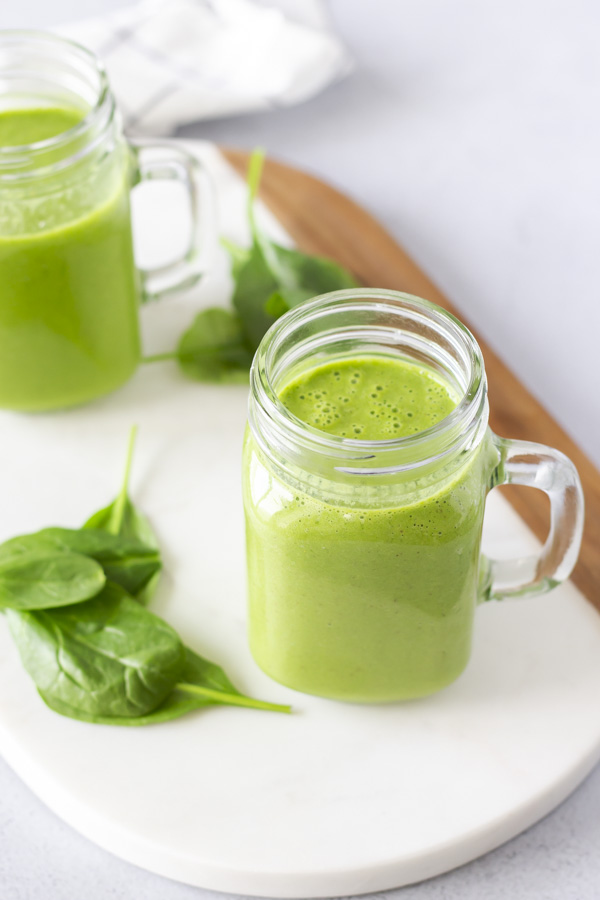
x=471 y=131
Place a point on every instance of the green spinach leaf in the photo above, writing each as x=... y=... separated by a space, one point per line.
x=126 y=561
x=214 y=688
x=269 y=280
x=272 y=279
x=43 y=578
x=214 y=349
x=205 y=681
x=175 y=706
x=239 y=256
x=107 y=657
x=314 y=275
x=123 y=519
x=94 y=653
x=253 y=287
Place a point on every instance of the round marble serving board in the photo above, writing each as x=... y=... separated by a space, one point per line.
x=334 y=799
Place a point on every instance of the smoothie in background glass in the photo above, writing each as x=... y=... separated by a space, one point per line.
x=69 y=290
x=366 y=466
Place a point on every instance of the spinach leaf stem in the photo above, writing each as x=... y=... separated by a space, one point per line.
x=116 y=519
x=231 y=699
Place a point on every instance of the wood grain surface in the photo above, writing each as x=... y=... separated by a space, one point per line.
x=322 y=220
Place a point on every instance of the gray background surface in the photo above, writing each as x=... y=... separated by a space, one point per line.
x=471 y=131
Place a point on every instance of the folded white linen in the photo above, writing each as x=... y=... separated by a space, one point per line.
x=171 y=62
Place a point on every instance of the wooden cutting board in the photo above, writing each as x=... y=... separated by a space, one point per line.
x=322 y=220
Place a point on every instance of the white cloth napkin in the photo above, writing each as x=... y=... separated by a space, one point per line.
x=176 y=61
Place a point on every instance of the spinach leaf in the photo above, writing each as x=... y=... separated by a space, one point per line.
x=213 y=348
x=239 y=256
x=254 y=286
x=120 y=517
x=197 y=672
x=314 y=275
x=272 y=279
x=43 y=578
x=107 y=657
x=126 y=561
x=134 y=524
x=269 y=280
x=94 y=653
x=175 y=706
x=204 y=681
x=123 y=519
x=111 y=661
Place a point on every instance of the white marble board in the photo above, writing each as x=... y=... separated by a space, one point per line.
x=335 y=799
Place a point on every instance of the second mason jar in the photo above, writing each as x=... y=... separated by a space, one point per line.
x=69 y=286
x=364 y=527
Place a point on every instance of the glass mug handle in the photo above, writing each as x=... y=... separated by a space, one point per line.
x=165 y=162
x=549 y=470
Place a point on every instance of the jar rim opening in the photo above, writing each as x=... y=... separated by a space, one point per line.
x=268 y=410
x=15 y=160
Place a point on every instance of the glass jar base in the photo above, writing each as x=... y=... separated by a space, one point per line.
x=75 y=396
x=392 y=693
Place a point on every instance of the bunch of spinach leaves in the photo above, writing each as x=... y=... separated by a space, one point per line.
x=74 y=599
x=269 y=280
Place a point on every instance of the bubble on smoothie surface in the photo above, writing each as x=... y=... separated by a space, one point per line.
x=369 y=398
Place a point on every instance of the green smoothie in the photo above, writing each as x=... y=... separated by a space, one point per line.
x=357 y=602
x=28 y=126
x=68 y=283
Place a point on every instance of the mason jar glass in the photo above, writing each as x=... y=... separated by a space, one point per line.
x=364 y=559
x=69 y=286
